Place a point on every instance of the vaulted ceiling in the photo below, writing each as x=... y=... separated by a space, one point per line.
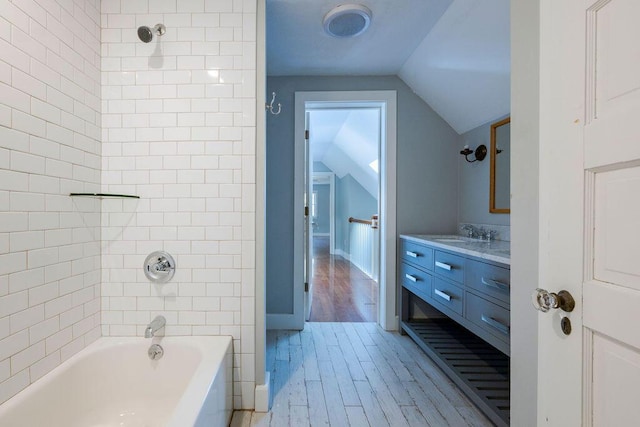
x=453 y=53
x=346 y=141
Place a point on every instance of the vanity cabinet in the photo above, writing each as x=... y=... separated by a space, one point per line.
x=464 y=325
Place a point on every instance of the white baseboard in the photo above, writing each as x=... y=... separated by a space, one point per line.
x=343 y=254
x=262 y=394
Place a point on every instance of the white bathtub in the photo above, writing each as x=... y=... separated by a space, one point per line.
x=114 y=383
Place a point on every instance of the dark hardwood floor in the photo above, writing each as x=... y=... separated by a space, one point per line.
x=341 y=291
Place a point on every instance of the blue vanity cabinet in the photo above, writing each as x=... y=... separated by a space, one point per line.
x=487 y=302
x=416 y=280
x=447 y=295
x=416 y=269
x=466 y=318
x=493 y=280
x=449 y=266
x=469 y=290
x=417 y=254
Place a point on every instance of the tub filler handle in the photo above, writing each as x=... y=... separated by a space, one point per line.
x=159 y=267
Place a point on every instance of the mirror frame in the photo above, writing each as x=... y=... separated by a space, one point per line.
x=492 y=178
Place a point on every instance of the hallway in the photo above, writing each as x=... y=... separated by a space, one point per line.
x=356 y=374
x=341 y=291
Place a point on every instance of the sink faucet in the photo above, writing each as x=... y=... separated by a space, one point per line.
x=154 y=326
x=470 y=229
x=488 y=235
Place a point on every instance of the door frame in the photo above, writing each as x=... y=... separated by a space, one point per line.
x=262 y=376
x=387 y=100
x=330 y=178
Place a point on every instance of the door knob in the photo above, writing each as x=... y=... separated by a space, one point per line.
x=544 y=300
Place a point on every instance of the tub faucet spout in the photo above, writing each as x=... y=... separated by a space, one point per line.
x=154 y=326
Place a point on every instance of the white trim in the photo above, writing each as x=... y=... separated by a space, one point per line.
x=331 y=179
x=308 y=228
x=332 y=213
x=343 y=254
x=387 y=101
x=261 y=393
x=321 y=234
x=587 y=377
x=261 y=396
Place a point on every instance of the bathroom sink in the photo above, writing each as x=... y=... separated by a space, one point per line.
x=450 y=240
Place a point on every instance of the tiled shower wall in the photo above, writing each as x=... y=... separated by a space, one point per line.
x=49 y=147
x=179 y=131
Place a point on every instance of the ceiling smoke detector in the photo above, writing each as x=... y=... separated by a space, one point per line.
x=347 y=20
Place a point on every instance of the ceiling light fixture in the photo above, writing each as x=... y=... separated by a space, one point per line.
x=347 y=20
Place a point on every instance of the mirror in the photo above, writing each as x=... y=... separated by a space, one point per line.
x=500 y=187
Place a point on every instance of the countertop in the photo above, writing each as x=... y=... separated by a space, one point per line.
x=496 y=250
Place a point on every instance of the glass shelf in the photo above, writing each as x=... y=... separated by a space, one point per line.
x=104 y=195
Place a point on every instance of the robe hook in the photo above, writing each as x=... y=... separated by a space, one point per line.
x=269 y=106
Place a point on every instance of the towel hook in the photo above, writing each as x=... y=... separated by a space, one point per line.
x=269 y=106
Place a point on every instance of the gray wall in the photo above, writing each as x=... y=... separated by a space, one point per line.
x=525 y=129
x=427 y=179
x=323 y=201
x=473 y=194
x=352 y=200
x=320 y=167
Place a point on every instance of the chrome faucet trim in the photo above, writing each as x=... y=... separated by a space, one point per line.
x=154 y=326
x=474 y=232
x=470 y=229
x=489 y=235
x=155 y=352
x=162 y=265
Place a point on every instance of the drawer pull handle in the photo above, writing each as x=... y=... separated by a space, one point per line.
x=442 y=294
x=495 y=324
x=412 y=254
x=495 y=284
x=443 y=266
x=410 y=277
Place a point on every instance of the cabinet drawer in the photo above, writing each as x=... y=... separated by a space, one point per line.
x=488 y=316
x=417 y=254
x=489 y=279
x=416 y=280
x=447 y=294
x=449 y=266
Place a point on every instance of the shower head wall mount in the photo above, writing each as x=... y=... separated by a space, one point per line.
x=146 y=34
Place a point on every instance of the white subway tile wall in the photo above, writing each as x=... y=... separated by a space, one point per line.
x=50 y=122
x=179 y=131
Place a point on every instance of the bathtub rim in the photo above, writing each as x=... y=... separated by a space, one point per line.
x=190 y=403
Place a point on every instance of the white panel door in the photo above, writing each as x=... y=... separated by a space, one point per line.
x=590 y=211
x=308 y=227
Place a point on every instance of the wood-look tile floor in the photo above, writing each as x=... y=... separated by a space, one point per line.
x=341 y=291
x=356 y=374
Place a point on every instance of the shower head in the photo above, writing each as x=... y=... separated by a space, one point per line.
x=146 y=34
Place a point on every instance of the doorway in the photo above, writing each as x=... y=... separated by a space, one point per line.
x=343 y=199
x=385 y=103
